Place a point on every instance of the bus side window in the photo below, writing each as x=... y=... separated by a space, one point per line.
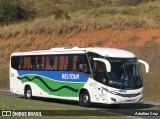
x=47 y=63
x=55 y=63
x=70 y=63
x=33 y=62
x=40 y=62
x=51 y=62
x=26 y=62
x=82 y=63
x=79 y=63
x=15 y=62
x=65 y=63
x=21 y=62
x=74 y=68
x=61 y=62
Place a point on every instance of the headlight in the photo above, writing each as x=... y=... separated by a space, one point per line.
x=114 y=93
x=141 y=93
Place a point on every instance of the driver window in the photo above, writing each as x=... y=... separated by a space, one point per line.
x=92 y=62
x=100 y=73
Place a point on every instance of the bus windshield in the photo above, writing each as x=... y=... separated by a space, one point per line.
x=125 y=74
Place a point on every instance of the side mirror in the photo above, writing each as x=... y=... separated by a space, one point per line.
x=145 y=64
x=108 y=65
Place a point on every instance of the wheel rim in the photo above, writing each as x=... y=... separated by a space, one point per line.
x=29 y=93
x=85 y=98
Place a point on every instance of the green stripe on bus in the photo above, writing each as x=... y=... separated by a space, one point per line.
x=53 y=87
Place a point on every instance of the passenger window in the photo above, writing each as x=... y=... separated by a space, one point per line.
x=79 y=63
x=21 y=63
x=61 y=62
x=33 y=62
x=65 y=63
x=51 y=62
x=55 y=64
x=70 y=62
x=40 y=62
x=27 y=62
x=47 y=63
x=74 y=63
x=82 y=64
x=15 y=62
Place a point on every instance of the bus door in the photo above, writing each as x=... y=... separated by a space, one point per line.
x=102 y=66
x=100 y=76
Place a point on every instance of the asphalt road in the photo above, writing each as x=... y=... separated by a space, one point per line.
x=124 y=109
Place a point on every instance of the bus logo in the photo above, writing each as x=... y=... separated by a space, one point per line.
x=70 y=76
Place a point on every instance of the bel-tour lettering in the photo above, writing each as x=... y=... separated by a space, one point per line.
x=70 y=76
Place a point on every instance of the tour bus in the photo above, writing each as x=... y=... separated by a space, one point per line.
x=84 y=74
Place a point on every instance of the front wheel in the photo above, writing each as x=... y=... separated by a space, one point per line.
x=28 y=92
x=85 y=99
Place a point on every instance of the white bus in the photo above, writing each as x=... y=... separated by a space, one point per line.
x=84 y=74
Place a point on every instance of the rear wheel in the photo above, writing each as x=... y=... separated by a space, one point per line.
x=28 y=92
x=85 y=99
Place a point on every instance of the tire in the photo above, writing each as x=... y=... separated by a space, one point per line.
x=28 y=92
x=85 y=99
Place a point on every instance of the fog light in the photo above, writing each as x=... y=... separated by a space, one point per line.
x=113 y=99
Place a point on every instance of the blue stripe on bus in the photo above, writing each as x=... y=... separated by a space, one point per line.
x=66 y=76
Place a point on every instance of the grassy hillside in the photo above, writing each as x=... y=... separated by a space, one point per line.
x=43 y=8
x=145 y=15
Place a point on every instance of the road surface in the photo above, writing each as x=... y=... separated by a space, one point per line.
x=124 y=109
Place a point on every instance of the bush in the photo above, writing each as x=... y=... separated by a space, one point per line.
x=10 y=12
x=61 y=14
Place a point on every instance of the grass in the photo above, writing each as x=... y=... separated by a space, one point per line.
x=51 y=26
x=99 y=42
x=133 y=38
x=151 y=40
x=15 y=103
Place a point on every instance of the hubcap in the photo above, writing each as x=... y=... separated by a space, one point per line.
x=85 y=98
x=28 y=93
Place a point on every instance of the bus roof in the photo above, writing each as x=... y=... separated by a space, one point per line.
x=108 y=52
